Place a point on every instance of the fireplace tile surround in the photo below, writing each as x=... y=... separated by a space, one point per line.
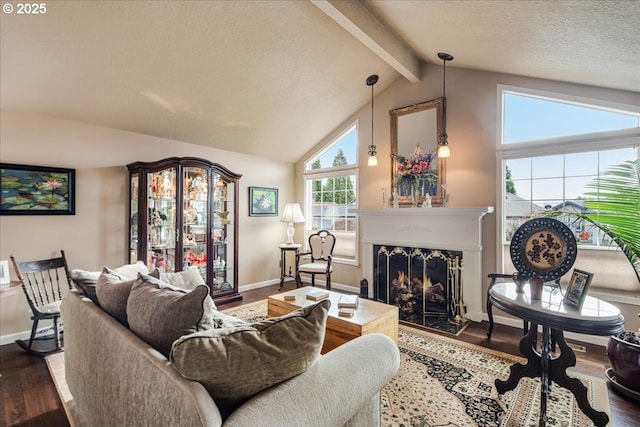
x=455 y=229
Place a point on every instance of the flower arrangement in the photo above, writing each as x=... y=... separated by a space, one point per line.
x=198 y=260
x=415 y=173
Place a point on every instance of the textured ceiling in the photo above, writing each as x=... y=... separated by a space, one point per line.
x=272 y=78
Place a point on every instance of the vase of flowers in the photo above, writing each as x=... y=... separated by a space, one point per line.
x=415 y=175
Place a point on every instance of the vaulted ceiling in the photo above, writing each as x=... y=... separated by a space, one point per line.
x=272 y=78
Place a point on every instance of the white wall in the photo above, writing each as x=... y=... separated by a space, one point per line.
x=97 y=234
x=472 y=120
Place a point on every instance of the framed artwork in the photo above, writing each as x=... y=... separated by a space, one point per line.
x=577 y=289
x=37 y=190
x=263 y=201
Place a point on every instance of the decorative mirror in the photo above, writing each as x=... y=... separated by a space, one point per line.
x=415 y=168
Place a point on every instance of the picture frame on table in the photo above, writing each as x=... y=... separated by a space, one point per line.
x=263 y=201
x=37 y=190
x=577 y=290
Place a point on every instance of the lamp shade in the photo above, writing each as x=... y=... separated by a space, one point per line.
x=443 y=151
x=292 y=213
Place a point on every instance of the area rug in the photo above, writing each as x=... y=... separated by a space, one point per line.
x=445 y=382
x=442 y=382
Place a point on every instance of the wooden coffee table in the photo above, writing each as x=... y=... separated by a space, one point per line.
x=370 y=317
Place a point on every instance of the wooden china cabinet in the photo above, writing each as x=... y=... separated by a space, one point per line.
x=184 y=215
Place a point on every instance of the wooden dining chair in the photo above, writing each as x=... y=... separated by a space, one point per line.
x=321 y=246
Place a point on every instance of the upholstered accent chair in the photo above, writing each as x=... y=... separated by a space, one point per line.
x=321 y=245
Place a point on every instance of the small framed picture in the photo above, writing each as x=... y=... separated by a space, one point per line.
x=577 y=289
x=263 y=201
x=37 y=190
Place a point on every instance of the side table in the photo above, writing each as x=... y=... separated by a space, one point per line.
x=284 y=248
x=596 y=317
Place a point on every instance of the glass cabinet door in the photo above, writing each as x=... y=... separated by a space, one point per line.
x=161 y=220
x=222 y=234
x=195 y=220
x=133 y=221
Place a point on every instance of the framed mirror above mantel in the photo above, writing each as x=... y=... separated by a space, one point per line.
x=415 y=168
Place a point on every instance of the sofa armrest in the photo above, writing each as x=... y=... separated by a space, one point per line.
x=331 y=392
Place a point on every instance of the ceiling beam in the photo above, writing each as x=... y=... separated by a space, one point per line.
x=356 y=19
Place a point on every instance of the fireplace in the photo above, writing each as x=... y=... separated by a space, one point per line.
x=438 y=235
x=425 y=285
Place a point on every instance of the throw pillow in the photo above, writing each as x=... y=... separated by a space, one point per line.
x=237 y=361
x=160 y=314
x=85 y=281
x=113 y=292
x=186 y=279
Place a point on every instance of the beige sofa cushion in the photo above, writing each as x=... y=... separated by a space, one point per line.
x=186 y=279
x=238 y=361
x=160 y=314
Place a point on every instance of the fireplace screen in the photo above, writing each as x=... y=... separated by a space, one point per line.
x=425 y=284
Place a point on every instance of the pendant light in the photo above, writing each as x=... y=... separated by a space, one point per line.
x=443 y=143
x=372 y=161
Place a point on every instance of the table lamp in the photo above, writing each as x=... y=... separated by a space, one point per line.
x=292 y=213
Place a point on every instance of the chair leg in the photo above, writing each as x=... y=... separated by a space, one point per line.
x=56 y=332
x=313 y=280
x=329 y=281
x=34 y=331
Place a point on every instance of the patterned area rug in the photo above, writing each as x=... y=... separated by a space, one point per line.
x=442 y=382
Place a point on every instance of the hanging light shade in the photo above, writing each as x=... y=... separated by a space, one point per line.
x=373 y=160
x=443 y=142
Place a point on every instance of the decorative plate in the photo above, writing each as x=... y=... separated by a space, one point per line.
x=543 y=247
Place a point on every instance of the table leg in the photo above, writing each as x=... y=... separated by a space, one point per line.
x=558 y=374
x=518 y=370
x=550 y=369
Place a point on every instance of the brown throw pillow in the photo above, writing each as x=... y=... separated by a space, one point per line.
x=113 y=292
x=86 y=280
x=237 y=361
x=160 y=314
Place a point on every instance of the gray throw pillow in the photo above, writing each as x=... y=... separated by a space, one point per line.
x=160 y=314
x=86 y=280
x=237 y=361
x=113 y=292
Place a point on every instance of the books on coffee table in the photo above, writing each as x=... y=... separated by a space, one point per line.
x=348 y=301
x=317 y=295
x=346 y=312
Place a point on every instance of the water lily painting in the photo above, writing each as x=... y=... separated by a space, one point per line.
x=263 y=201
x=36 y=190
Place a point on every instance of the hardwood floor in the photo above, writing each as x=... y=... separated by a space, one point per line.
x=29 y=398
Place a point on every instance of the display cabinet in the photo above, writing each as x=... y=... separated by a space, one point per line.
x=184 y=215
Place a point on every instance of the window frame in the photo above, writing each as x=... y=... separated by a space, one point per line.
x=328 y=172
x=595 y=141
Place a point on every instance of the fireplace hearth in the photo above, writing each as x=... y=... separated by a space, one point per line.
x=425 y=284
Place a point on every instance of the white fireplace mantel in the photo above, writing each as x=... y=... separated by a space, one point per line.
x=457 y=229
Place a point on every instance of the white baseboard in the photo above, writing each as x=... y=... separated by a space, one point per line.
x=24 y=335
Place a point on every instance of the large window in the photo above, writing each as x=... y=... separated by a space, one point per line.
x=551 y=148
x=331 y=178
